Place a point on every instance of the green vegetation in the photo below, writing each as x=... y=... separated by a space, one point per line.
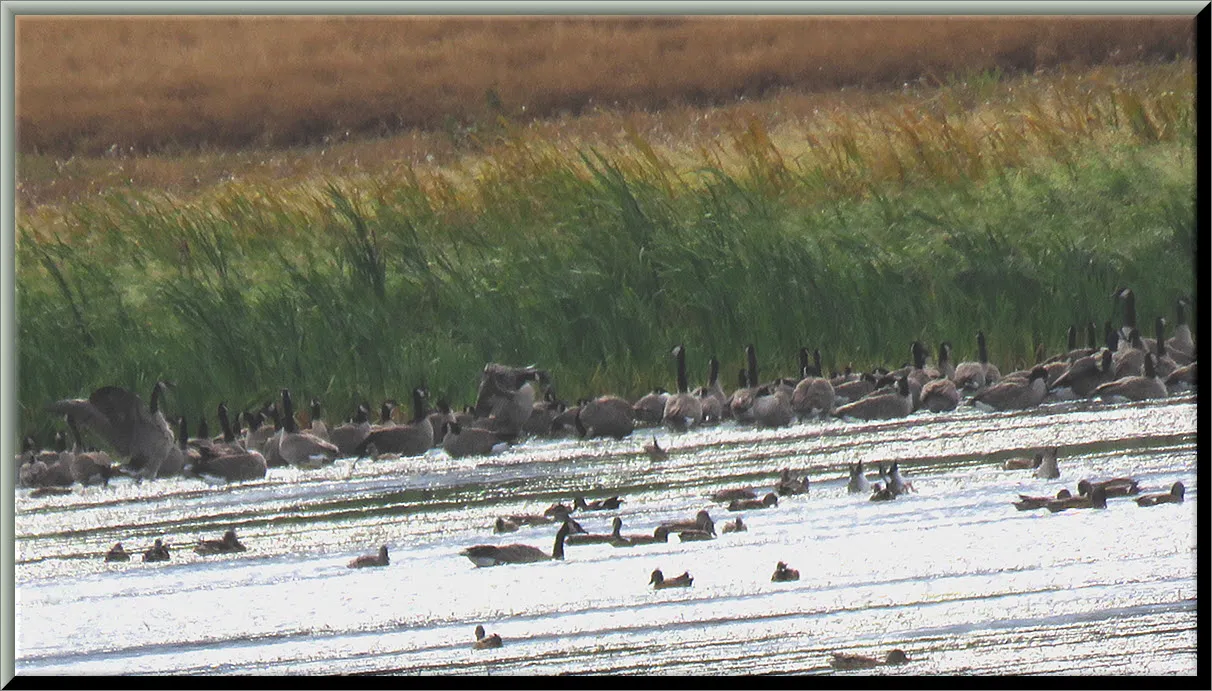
x=1015 y=211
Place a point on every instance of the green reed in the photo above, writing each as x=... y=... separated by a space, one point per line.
x=1018 y=218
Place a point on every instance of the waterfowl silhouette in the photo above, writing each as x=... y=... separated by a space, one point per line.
x=783 y=574
x=412 y=439
x=711 y=397
x=897 y=484
x=506 y=396
x=1181 y=345
x=1134 y=387
x=1174 y=496
x=609 y=504
x=299 y=448
x=605 y=416
x=157 y=552
x=228 y=544
x=847 y=661
x=1029 y=503
x=1115 y=487
x=348 y=436
x=92 y=467
x=493 y=555
x=880 y=406
x=771 y=499
x=1047 y=468
x=772 y=407
x=650 y=408
x=655 y=452
x=470 y=441
x=1086 y=373
x=659 y=582
x=701 y=521
x=939 y=395
x=734 y=526
x=369 y=560
x=741 y=401
x=734 y=494
x=1096 y=498
x=659 y=534
x=1024 y=463
x=972 y=377
x=136 y=431
x=858 y=482
x=787 y=485
x=1014 y=394
x=813 y=394
x=117 y=553
x=597 y=538
x=881 y=493
x=484 y=642
x=682 y=409
x=695 y=535
x=850 y=391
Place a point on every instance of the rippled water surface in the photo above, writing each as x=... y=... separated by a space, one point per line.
x=952 y=574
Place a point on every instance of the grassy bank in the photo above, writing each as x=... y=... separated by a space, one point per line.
x=1015 y=207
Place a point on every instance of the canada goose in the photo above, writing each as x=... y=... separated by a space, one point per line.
x=157 y=552
x=1048 y=470
x=711 y=397
x=897 y=484
x=1014 y=395
x=701 y=521
x=650 y=408
x=609 y=504
x=492 y=555
x=973 y=376
x=813 y=394
x=734 y=526
x=135 y=431
x=605 y=416
x=682 y=409
x=1028 y=503
x=847 y=392
x=233 y=467
x=472 y=441
x=880 y=492
x=1024 y=463
x=228 y=544
x=412 y=439
x=348 y=436
x=1181 y=345
x=659 y=582
x=315 y=424
x=185 y=452
x=734 y=494
x=542 y=415
x=846 y=661
x=1181 y=379
x=783 y=574
x=1174 y=496
x=301 y=448
x=506 y=396
x=880 y=406
x=939 y=395
x=858 y=482
x=787 y=485
x=771 y=499
x=484 y=642
x=597 y=538
x=659 y=534
x=655 y=452
x=1129 y=360
x=1096 y=499
x=1163 y=364
x=1115 y=487
x=946 y=368
x=89 y=467
x=772 y=407
x=741 y=400
x=49 y=468
x=117 y=553
x=259 y=434
x=1135 y=388
x=368 y=560
x=1087 y=373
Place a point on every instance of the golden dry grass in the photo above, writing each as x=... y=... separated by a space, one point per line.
x=87 y=85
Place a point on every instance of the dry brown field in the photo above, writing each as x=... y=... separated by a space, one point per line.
x=182 y=103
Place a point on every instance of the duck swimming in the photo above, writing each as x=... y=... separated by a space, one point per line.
x=659 y=582
x=484 y=642
x=783 y=574
x=369 y=560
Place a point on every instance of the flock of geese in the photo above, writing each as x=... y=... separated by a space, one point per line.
x=508 y=408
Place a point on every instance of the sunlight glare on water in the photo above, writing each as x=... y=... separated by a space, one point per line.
x=952 y=574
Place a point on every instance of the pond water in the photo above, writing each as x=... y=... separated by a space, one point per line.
x=953 y=574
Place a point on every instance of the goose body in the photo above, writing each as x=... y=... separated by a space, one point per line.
x=506 y=397
x=784 y=574
x=411 y=439
x=597 y=538
x=771 y=499
x=659 y=534
x=1174 y=496
x=608 y=504
x=655 y=452
x=659 y=582
x=493 y=555
x=880 y=406
x=228 y=544
x=787 y=485
x=939 y=395
x=299 y=448
x=741 y=400
x=1181 y=344
x=605 y=416
x=1014 y=395
x=471 y=441
x=349 y=436
x=858 y=483
x=702 y=521
x=1028 y=503
x=1134 y=387
x=853 y=390
x=734 y=526
x=136 y=431
x=772 y=408
x=813 y=394
x=1115 y=487
x=973 y=376
x=682 y=409
x=650 y=408
x=157 y=552
x=1086 y=373
x=371 y=560
x=711 y=397
x=733 y=494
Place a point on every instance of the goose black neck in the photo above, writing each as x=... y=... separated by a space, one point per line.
x=183 y=432
x=229 y=436
x=557 y=550
x=982 y=350
x=679 y=354
x=71 y=423
x=1072 y=337
x=418 y=404
x=1129 y=308
x=713 y=371
x=816 y=362
x=803 y=362
x=1160 y=328
x=288 y=413
x=751 y=358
